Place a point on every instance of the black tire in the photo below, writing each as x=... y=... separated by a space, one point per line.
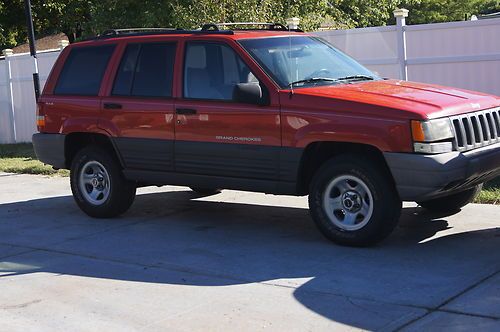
x=452 y=203
x=385 y=200
x=205 y=191
x=121 y=192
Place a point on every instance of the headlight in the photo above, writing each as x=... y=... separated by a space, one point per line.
x=424 y=133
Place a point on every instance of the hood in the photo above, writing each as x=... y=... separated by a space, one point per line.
x=425 y=101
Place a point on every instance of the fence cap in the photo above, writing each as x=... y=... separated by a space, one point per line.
x=8 y=52
x=62 y=43
x=293 y=22
x=401 y=12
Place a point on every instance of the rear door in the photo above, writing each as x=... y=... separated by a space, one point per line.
x=138 y=109
x=215 y=135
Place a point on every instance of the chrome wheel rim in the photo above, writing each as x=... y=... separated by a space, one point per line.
x=94 y=183
x=348 y=202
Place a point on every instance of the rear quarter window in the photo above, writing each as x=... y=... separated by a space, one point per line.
x=83 y=70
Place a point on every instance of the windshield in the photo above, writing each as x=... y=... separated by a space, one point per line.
x=305 y=61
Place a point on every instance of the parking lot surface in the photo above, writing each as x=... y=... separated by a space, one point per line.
x=242 y=261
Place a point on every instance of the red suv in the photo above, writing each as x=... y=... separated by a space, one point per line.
x=269 y=110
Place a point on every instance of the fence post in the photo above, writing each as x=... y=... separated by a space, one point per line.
x=400 y=15
x=293 y=23
x=10 y=94
x=62 y=44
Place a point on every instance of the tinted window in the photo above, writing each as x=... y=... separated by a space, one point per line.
x=125 y=75
x=212 y=70
x=146 y=70
x=83 y=70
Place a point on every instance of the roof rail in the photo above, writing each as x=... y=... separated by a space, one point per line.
x=240 y=25
x=116 y=32
x=128 y=32
x=209 y=28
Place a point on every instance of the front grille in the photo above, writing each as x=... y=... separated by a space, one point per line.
x=474 y=130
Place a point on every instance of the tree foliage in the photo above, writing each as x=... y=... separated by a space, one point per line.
x=49 y=16
x=434 y=11
x=80 y=18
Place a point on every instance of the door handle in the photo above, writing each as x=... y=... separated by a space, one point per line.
x=185 y=111
x=112 y=106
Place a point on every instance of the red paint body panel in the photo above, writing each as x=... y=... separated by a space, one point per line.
x=341 y=121
x=377 y=113
x=139 y=118
x=404 y=99
x=229 y=123
x=68 y=114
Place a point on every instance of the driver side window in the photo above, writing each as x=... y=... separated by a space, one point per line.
x=211 y=71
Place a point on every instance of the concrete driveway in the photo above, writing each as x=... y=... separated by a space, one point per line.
x=235 y=261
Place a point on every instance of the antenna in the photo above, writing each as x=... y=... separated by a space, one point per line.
x=31 y=38
x=290 y=60
x=290 y=52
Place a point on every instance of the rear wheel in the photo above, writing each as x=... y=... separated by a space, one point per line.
x=98 y=185
x=353 y=202
x=452 y=203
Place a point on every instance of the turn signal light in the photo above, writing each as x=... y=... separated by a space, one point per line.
x=417 y=131
x=40 y=121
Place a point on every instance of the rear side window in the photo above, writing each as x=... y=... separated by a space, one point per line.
x=83 y=71
x=146 y=70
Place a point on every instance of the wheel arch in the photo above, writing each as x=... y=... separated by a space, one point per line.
x=317 y=153
x=76 y=141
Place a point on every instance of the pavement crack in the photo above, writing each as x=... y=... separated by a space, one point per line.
x=112 y=228
x=182 y=269
x=477 y=283
x=19 y=306
x=18 y=253
x=457 y=312
x=439 y=308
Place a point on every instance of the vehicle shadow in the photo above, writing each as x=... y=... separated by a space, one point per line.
x=179 y=238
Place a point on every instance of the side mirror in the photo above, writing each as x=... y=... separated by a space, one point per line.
x=249 y=93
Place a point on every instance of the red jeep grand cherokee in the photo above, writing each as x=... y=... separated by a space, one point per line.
x=270 y=110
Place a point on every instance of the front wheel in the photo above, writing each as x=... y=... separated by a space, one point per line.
x=98 y=185
x=353 y=202
x=452 y=203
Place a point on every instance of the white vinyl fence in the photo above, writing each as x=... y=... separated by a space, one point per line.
x=460 y=54
x=17 y=96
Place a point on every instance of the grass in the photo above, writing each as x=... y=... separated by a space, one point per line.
x=20 y=158
x=490 y=193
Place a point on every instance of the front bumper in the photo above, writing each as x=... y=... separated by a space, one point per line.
x=422 y=177
x=49 y=149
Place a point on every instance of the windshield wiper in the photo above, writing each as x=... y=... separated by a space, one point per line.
x=313 y=80
x=327 y=79
x=356 y=77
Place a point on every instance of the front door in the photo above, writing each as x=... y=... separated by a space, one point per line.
x=214 y=135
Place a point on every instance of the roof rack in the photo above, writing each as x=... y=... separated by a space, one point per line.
x=116 y=32
x=209 y=28
x=128 y=32
x=241 y=25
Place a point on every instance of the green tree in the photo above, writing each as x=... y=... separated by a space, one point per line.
x=49 y=16
x=81 y=18
x=434 y=11
x=362 y=13
x=11 y=24
x=192 y=13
